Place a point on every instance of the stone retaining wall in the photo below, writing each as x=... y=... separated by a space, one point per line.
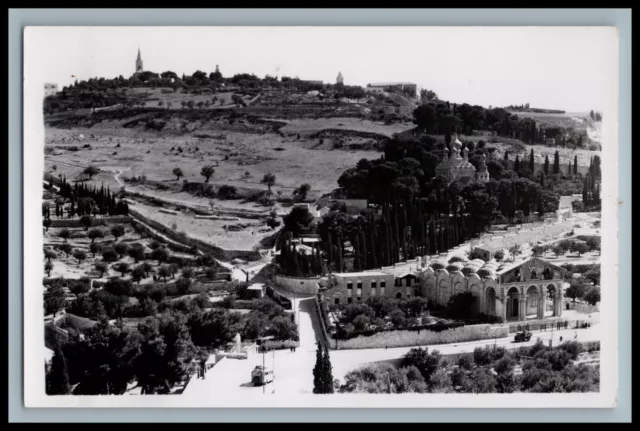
x=407 y=338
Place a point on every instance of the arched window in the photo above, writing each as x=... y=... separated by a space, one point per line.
x=399 y=295
x=534 y=275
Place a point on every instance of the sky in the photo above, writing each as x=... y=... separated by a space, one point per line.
x=568 y=68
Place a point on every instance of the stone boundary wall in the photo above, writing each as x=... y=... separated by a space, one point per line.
x=409 y=338
x=217 y=252
x=326 y=339
x=298 y=285
x=100 y=221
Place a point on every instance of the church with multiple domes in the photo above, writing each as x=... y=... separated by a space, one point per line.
x=458 y=167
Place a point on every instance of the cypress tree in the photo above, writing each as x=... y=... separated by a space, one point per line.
x=569 y=170
x=556 y=163
x=575 y=164
x=542 y=179
x=327 y=374
x=318 y=372
x=57 y=379
x=532 y=164
x=546 y=165
x=330 y=250
x=356 y=254
x=516 y=164
x=506 y=155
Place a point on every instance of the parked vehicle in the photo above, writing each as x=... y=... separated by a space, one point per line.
x=522 y=336
x=261 y=376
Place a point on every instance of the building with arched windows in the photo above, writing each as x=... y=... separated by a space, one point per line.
x=529 y=289
x=458 y=167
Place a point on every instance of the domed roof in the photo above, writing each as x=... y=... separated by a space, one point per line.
x=456 y=266
x=439 y=264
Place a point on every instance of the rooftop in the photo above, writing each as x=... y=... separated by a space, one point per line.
x=361 y=274
x=384 y=84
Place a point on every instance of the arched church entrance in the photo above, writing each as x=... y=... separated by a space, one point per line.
x=531 y=309
x=512 y=303
x=490 y=302
x=550 y=301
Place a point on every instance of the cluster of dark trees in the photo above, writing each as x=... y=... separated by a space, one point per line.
x=487 y=370
x=591 y=184
x=440 y=117
x=595 y=115
x=89 y=200
x=294 y=261
x=159 y=351
x=417 y=212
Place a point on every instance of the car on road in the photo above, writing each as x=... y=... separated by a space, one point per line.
x=522 y=336
x=261 y=376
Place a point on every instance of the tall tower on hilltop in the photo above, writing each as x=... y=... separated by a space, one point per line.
x=139 y=63
x=339 y=79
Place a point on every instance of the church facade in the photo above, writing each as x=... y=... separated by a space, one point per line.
x=458 y=167
x=526 y=290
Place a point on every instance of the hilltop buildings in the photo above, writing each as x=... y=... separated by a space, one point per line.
x=139 y=68
x=409 y=88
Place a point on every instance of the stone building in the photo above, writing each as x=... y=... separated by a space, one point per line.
x=457 y=167
x=354 y=287
x=139 y=68
x=529 y=289
x=380 y=87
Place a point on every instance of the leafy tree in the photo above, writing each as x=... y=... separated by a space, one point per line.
x=57 y=377
x=117 y=231
x=164 y=272
x=54 y=299
x=91 y=171
x=482 y=356
x=50 y=254
x=498 y=255
x=64 y=234
x=188 y=272
x=427 y=363
x=178 y=173
x=122 y=268
x=95 y=248
x=558 y=250
x=86 y=221
x=207 y=172
x=138 y=274
x=440 y=382
x=465 y=361
x=136 y=251
x=95 y=233
x=580 y=248
x=480 y=381
x=80 y=255
x=109 y=255
x=269 y=180
x=48 y=267
x=66 y=249
x=302 y=191
x=101 y=268
x=161 y=255
x=593 y=295
x=121 y=248
x=297 y=220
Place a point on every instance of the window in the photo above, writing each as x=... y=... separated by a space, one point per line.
x=382 y=289
x=349 y=285
x=349 y=300
x=337 y=300
x=383 y=284
x=302 y=282
x=398 y=282
x=359 y=284
x=373 y=284
x=398 y=295
x=359 y=298
x=373 y=291
x=409 y=281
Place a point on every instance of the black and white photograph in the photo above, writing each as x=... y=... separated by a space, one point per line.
x=320 y=216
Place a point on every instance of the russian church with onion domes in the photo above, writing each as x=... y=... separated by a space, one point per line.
x=458 y=167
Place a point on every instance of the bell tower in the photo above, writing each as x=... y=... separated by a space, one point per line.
x=139 y=63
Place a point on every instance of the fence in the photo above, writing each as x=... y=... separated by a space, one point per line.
x=192 y=242
x=96 y=221
x=299 y=286
x=556 y=325
x=407 y=338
